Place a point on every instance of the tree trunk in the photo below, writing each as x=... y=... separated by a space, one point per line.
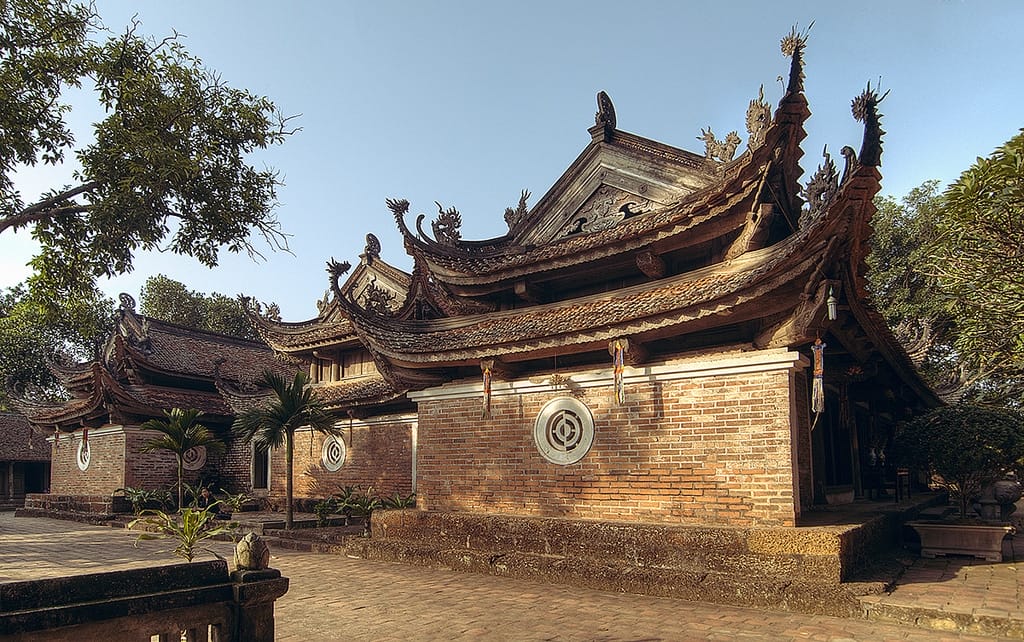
x=289 y=442
x=181 y=493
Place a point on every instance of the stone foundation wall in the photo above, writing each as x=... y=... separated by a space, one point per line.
x=804 y=569
x=60 y=504
x=697 y=441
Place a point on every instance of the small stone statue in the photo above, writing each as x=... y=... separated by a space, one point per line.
x=252 y=553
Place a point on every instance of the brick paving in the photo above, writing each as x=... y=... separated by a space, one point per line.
x=959 y=591
x=338 y=598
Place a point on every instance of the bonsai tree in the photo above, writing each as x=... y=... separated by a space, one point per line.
x=967 y=447
x=181 y=433
x=274 y=424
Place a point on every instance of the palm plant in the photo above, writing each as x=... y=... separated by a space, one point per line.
x=181 y=433
x=275 y=423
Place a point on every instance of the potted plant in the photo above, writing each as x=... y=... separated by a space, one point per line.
x=967 y=448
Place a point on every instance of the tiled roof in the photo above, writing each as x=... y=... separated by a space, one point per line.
x=350 y=392
x=712 y=295
x=674 y=301
x=107 y=392
x=18 y=442
x=700 y=207
x=305 y=334
x=186 y=351
x=330 y=327
x=373 y=388
x=160 y=398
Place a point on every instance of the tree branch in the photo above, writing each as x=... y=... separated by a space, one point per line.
x=46 y=208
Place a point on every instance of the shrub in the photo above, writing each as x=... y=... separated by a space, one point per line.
x=967 y=446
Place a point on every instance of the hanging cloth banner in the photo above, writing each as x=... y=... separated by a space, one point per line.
x=618 y=349
x=85 y=436
x=485 y=368
x=56 y=439
x=818 y=386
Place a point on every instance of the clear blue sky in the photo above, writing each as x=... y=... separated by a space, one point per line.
x=468 y=102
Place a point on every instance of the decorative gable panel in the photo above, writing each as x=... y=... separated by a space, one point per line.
x=608 y=183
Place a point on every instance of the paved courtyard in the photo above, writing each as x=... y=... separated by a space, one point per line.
x=339 y=598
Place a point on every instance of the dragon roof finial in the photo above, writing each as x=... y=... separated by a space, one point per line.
x=605 y=116
x=793 y=47
x=865 y=110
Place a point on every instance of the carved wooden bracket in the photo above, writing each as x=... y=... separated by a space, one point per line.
x=652 y=265
x=807 y=320
x=754 y=235
x=527 y=292
x=500 y=370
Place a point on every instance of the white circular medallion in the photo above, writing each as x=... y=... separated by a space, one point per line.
x=84 y=455
x=333 y=453
x=194 y=458
x=564 y=430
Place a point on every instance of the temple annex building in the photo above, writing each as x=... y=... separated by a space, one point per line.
x=668 y=351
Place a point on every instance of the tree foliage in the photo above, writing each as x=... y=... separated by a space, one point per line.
x=32 y=335
x=951 y=266
x=274 y=424
x=170 y=300
x=903 y=286
x=168 y=167
x=978 y=259
x=899 y=280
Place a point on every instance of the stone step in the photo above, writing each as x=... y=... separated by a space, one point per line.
x=989 y=622
x=823 y=597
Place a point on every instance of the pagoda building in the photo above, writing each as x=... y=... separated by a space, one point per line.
x=24 y=461
x=146 y=366
x=376 y=450
x=664 y=336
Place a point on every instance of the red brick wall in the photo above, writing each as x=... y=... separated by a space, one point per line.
x=159 y=469
x=713 y=450
x=117 y=460
x=235 y=467
x=379 y=456
x=106 y=464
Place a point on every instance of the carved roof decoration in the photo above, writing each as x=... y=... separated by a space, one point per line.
x=622 y=178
